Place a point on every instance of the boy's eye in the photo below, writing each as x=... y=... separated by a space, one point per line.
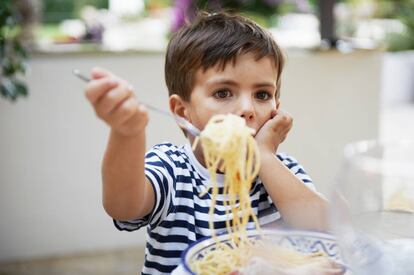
x=222 y=94
x=263 y=95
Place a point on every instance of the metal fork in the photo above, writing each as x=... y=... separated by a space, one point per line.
x=181 y=121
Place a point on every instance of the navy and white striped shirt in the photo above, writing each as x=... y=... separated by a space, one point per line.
x=180 y=215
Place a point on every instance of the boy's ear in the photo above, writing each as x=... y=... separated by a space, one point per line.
x=178 y=106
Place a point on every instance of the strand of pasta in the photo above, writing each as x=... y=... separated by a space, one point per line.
x=229 y=147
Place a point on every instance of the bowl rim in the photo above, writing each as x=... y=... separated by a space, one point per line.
x=281 y=232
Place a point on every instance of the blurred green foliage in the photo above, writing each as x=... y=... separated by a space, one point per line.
x=404 y=11
x=13 y=54
x=54 y=11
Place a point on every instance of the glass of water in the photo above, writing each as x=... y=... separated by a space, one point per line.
x=372 y=212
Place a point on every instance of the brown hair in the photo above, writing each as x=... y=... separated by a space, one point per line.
x=215 y=39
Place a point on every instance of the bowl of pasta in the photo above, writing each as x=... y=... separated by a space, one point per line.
x=279 y=252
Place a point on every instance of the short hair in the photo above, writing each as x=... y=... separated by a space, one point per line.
x=215 y=39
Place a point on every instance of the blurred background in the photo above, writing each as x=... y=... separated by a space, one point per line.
x=349 y=76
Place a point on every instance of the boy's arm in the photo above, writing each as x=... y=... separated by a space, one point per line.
x=127 y=194
x=126 y=191
x=298 y=204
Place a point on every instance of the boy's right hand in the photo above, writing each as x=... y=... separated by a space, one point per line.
x=115 y=103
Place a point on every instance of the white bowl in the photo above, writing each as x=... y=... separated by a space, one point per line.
x=300 y=241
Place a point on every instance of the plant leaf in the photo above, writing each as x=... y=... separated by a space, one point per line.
x=19 y=49
x=8 y=67
x=21 y=88
x=8 y=90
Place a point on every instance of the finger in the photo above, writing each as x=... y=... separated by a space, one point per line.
x=280 y=112
x=95 y=89
x=283 y=124
x=276 y=115
x=286 y=132
x=98 y=72
x=125 y=111
x=141 y=113
x=108 y=102
x=283 y=116
x=287 y=118
x=287 y=114
x=283 y=113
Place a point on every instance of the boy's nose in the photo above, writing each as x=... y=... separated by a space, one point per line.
x=246 y=108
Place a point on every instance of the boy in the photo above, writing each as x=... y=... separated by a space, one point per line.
x=219 y=64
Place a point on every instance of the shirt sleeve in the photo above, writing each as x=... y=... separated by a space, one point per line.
x=296 y=169
x=160 y=174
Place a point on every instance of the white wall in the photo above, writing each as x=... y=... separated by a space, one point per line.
x=334 y=100
x=51 y=144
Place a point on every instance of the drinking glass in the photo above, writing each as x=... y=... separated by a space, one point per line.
x=372 y=212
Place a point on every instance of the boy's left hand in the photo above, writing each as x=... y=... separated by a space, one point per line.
x=274 y=131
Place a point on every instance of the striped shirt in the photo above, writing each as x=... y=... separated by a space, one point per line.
x=180 y=215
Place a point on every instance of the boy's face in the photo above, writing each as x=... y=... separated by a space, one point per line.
x=246 y=88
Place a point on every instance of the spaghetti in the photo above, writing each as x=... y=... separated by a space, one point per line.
x=229 y=147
